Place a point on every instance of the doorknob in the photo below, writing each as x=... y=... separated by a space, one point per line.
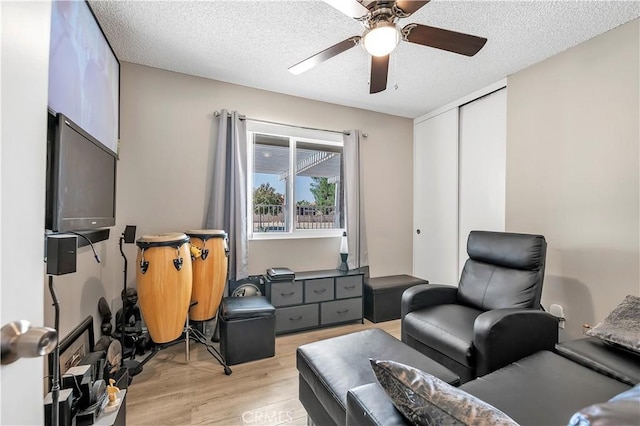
x=418 y=231
x=20 y=340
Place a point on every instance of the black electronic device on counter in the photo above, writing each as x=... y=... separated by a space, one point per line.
x=280 y=274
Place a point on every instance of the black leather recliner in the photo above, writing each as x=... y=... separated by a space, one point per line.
x=494 y=315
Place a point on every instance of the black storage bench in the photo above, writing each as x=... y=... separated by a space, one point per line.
x=247 y=329
x=382 y=296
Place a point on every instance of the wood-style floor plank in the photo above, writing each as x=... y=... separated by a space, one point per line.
x=172 y=391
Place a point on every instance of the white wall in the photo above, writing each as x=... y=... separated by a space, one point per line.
x=25 y=60
x=573 y=171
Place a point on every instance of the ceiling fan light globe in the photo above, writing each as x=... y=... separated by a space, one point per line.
x=381 y=40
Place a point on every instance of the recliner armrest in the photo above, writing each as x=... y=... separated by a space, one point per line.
x=503 y=336
x=424 y=295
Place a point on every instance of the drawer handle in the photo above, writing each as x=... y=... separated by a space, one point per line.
x=294 y=319
x=349 y=287
x=320 y=291
x=342 y=312
x=287 y=294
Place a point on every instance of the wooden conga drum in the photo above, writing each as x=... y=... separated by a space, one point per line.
x=164 y=275
x=209 y=271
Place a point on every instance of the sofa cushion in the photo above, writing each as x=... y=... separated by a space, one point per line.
x=622 y=409
x=426 y=400
x=600 y=356
x=622 y=325
x=447 y=329
x=485 y=286
x=543 y=389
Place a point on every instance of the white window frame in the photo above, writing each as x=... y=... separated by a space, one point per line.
x=295 y=134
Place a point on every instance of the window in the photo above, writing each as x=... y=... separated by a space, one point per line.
x=294 y=182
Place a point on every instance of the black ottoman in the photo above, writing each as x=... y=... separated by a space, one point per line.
x=329 y=368
x=382 y=296
x=247 y=329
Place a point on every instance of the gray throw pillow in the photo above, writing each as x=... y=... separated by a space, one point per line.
x=622 y=409
x=426 y=400
x=622 y=325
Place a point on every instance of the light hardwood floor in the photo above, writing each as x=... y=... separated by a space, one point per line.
x=172 y=391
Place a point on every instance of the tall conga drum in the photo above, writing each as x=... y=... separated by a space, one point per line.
x=165 y=279
x=209 y=271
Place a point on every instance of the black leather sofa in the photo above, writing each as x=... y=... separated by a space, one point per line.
x=544 y=388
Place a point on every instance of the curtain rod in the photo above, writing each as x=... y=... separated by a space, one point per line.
x=242 y=117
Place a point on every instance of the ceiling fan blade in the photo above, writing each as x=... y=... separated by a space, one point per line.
x=379 y=71
x=351 y=8
x=464 y=44
x=328 y=53
x=409 y=6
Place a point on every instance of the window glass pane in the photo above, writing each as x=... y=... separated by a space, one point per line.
x=270 y=174
x=318 y=189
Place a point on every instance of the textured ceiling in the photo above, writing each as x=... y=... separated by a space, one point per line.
x=252 y=43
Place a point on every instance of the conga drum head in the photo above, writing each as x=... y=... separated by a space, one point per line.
x=164 y=276
x=205 y=234
x=209 y=271
x=170 y=239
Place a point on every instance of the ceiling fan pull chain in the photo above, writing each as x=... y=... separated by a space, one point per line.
x=395 y=69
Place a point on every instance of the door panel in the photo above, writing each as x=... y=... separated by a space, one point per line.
x=25 y=62
x=435 y=233
x=483 y=162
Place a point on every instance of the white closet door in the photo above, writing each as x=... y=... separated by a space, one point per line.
x=435 y=198
x=482 y=172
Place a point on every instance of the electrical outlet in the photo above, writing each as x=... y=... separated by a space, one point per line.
x=558 y=312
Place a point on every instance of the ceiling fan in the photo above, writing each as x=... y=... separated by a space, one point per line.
x=382 y=35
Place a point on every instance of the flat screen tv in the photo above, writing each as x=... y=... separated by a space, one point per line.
x=84 y=72
x=81 y=174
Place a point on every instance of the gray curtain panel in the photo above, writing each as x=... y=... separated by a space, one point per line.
x=354 y=202
x=228 y=201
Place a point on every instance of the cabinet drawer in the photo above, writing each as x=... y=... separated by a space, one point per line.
x=348 y=287
x=286 y=293
x=341 y=311
x=296 y=317
x=318 y=290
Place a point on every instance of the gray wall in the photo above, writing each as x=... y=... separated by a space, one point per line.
x=573 y=171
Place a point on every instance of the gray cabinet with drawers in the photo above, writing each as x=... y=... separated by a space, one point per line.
x=316 y=299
